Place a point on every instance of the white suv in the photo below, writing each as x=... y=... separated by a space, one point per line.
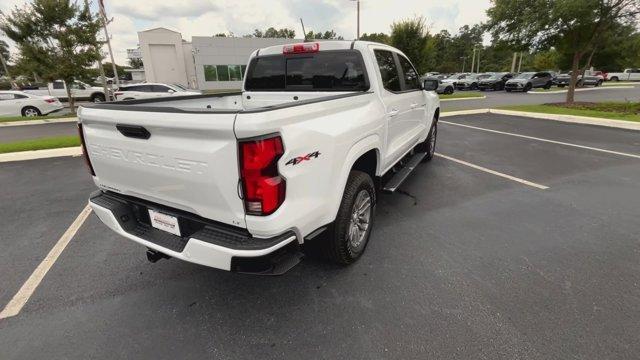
x=151 y=90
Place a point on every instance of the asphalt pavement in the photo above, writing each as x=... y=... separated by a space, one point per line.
x=493 y=100
x=462 y=264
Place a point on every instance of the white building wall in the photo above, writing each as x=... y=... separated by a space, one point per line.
x=169 y=59
x=224 y=51
x=163 y=54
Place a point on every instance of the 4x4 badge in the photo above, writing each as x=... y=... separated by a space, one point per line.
x=298 y=159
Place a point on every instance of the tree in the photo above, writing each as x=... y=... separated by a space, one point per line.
x=56 y=38
x=572 y=27
x=545 y=60
x=135 y=63
x=327 y=35
x=4 y=57
x=276 y=33
x=410 y=36
x=375 y=37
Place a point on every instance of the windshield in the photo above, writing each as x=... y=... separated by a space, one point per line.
x=527 y=75
x=179 y=87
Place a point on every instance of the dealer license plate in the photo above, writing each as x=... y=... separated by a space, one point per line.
x=164 y=222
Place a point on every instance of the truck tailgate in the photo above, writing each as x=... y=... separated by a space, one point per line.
x=189 y=161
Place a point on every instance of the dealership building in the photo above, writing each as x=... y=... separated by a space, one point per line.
x=205 y=63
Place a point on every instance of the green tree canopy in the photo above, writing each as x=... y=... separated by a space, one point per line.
x=572 y=27
x=55 y=38
x=410 y=36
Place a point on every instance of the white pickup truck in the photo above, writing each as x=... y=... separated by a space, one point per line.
x=79 y=91
x=240 y=181
x=626 y=75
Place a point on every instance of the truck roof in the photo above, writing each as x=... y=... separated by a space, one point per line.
x=323 y=46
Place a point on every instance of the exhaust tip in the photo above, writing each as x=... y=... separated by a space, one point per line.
x=153 y=256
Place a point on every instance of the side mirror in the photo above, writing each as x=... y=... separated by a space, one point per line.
x=171 y=91
x=430 y=85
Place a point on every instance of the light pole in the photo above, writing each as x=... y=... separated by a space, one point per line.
x=358 y=18
x=464 y=62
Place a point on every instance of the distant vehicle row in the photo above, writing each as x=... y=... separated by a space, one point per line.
x=79 y=91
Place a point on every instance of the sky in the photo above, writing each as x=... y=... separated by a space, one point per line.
x=208 y=17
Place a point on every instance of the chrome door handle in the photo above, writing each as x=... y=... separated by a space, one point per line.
x=393 y=112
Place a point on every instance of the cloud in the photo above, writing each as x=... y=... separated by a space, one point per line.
x=208 y=17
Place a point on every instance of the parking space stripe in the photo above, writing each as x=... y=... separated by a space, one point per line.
x=22 y=296
x=636 y=156
x=493 y=172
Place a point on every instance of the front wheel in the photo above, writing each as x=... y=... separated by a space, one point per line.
x=615 y=78
x=547 y=86
x=449 y=90
x=353 y=224
x=429 y=145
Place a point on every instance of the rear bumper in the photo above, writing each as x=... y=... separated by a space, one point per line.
x=203 y=242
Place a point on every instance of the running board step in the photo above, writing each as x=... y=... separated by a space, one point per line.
x=398 y=178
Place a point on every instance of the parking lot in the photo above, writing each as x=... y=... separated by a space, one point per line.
x=519 y=241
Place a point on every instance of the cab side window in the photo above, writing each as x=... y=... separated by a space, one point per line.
x=409 y=73
x=388 y=70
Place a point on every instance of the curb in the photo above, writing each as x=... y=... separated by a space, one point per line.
x=574 y=119
x=464 y=112
x=40 y=154
x=580 y=90
x=38 y=122
x=468 y=98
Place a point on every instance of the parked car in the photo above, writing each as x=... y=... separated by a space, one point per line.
x=443 y=88
x=151 y=90
x=454 y=78
x=529 y=80
x=79 y=91
x=471 y=81
x=19 y=103
x=626 y=75
x=588 y=79
x=240 y=181
x=495 y=82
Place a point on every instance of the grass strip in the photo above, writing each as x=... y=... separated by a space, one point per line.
x=40 y=144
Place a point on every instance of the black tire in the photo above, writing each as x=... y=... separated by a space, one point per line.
x=97 y=98
x=547 y=86
x=615 y=78
x=339 y=248
x=560 y=85
x=29 y=111
x=599 y=83
x=449 y=90
x=474 y=86
x=508 y=90
x=527 y=87
x=429 y=145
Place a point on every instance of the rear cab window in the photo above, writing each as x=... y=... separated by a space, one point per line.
x=332 y=70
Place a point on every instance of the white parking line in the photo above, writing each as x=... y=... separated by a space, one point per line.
x=544 y=140
x=22 y=296
x=493 y=172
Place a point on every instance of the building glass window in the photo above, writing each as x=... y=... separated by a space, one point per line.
x=210 y=73
x=223 y=72
x=244 y=70
x=235 y=73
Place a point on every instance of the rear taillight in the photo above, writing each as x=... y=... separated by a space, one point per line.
x=263 y=187
x=50 y=101
x=84 y=151
x=301 y=48
x=117 y=93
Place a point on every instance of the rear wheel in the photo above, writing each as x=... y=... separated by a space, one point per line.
x=30 y=111
x=353 y=224
x=599 y=83
x=547 y=86
x=449 y=90
x=96 y=98
x=527 y=87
